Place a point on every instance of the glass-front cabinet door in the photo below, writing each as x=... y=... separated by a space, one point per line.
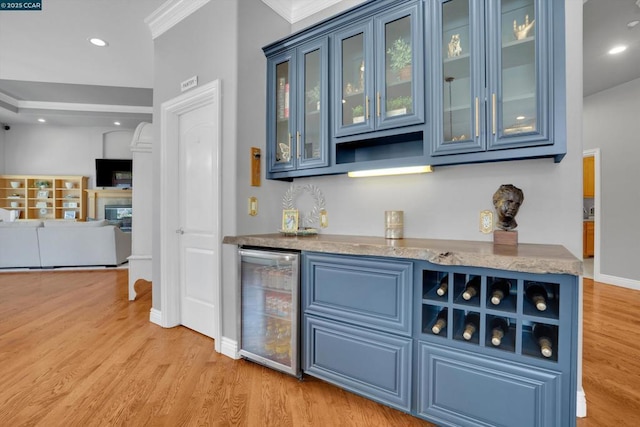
x=354 y=86
x=459 y=81
x=297 y=117
x=379 y=73
x=519 y=84
x=280 y=116
x=312 y=130
x=399 y=97
x=492 y=84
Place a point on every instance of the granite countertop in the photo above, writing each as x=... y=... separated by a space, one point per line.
x=528 y=258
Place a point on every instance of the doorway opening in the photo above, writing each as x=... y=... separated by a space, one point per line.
x=591 y=213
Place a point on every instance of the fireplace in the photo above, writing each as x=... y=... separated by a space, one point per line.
x=119 y=215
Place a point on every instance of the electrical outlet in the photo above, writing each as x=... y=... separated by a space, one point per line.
x=253 y=206
x=486 y=221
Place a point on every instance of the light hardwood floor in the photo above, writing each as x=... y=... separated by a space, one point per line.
x=75 y=352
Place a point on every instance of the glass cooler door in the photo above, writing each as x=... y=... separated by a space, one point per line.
x=269 y=289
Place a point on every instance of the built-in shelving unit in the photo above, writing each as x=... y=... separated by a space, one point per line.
x=44 y=196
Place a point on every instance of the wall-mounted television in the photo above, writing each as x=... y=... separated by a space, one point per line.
x=114 y=173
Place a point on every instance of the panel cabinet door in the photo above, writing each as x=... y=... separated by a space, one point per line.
x=371 y=363
x=312 y=130
x=280 y=115
x=465 y=389
x=520 y=51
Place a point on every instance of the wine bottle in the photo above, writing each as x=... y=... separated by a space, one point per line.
x=444 y=286
x=499 y=290
x=472 y=288
x=471 y=325
x=499 y=328
x=544 y=337
x=537 y=294
x=441 y=322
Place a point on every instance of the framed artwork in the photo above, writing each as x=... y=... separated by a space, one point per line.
x=69 y=214
x=290 y=220
x=43 y=194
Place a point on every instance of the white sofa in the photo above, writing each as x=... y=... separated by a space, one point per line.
x=62 y=244
x=19 y=244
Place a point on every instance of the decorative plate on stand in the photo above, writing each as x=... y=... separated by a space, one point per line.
x=309 y=201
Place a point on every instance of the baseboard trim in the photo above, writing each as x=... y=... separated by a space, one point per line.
x=581 y=406
x=229 y=348
x=618 y=281
x=155 y=316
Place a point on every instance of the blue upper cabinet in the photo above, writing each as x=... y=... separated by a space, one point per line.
x=378 y=72
x=297 y=108
x=393 y=83
x=498 y=89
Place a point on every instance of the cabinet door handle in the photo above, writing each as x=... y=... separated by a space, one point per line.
x=493 y=113
x=298 y=143
x=367 y=106
x=378 y=104
x=477 y=117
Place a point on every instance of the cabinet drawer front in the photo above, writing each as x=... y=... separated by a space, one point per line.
x=470 y=390
x=372 y=364
x=369 y=292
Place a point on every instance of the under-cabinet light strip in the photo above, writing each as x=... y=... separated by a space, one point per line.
x=390 y=171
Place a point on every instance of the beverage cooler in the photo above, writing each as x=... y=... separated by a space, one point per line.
x=269 y=301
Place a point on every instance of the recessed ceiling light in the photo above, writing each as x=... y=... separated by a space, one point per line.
x=98 y=42
x=617 y=49
x=41 y=120
x=520 y=118
x=116 y=123
x=633 y=23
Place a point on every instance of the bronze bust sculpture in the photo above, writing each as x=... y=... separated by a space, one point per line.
x=507 y=200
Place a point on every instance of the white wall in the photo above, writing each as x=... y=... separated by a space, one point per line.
x=611 y=124
x=117 y=144
x=51 y=150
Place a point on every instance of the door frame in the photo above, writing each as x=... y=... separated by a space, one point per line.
x=595 y=153
x=170 y=113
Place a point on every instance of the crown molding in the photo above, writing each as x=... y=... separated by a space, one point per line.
x=303 y=10
x=171 y=13
x=73 y=106
x=296 y=10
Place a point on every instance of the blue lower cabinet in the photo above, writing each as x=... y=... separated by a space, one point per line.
x=459 y=388
x=369 y=292
x=373 y=364
x=483 y=347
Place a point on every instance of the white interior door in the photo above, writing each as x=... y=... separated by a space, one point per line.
x=198 y=209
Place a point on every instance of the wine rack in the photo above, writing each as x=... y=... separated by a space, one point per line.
x=515 y=308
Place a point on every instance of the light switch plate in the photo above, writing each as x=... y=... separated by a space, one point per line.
x=253 y=206
x=324 y=219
